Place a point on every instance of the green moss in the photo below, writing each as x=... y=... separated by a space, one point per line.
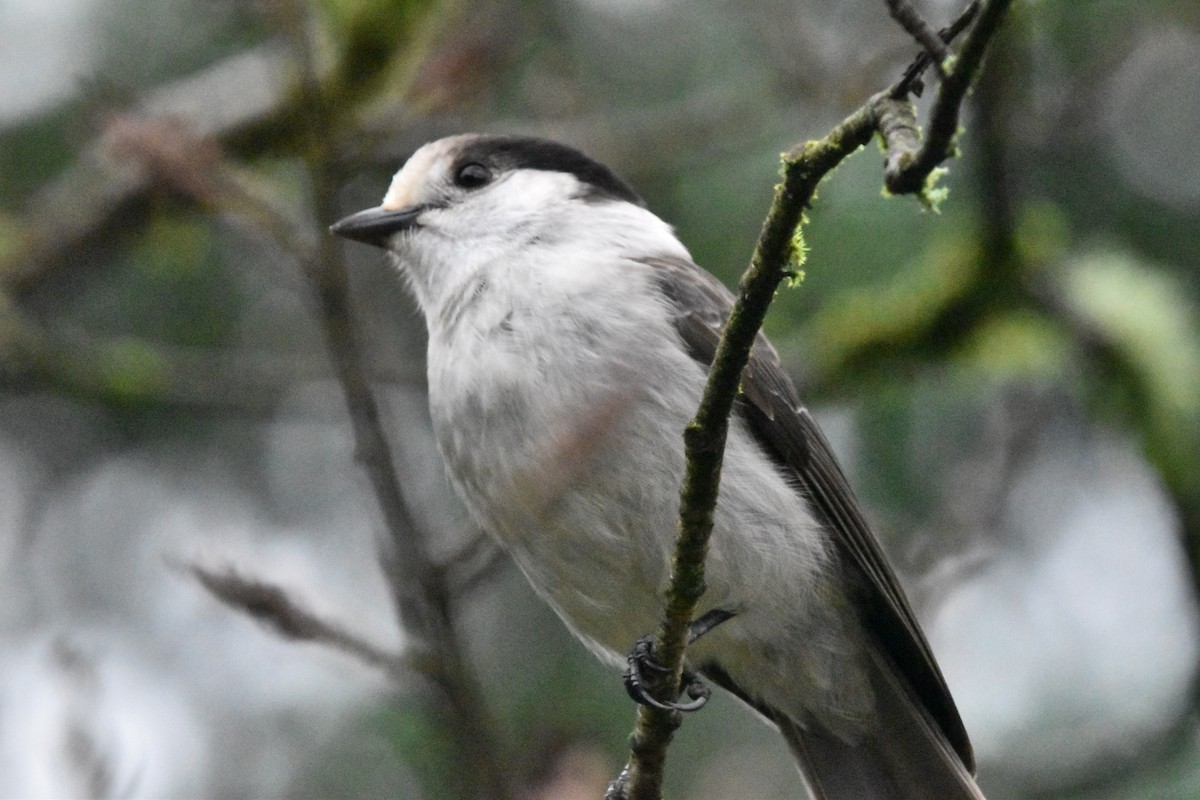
x=796 y=256
x=931 y=195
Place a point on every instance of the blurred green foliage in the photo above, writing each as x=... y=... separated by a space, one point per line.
x=175 y=287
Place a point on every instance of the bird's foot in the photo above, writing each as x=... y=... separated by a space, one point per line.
x=641 y=665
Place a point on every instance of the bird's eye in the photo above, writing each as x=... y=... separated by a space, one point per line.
x=472 y=175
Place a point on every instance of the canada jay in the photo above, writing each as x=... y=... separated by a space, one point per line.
x=570 y=334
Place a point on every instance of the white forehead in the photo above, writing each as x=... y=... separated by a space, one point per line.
x=427 y=164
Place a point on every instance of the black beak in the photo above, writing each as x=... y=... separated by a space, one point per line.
x=375 y=226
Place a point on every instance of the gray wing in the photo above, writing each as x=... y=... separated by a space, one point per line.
x=788 y=433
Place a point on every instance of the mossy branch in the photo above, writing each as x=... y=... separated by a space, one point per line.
x=804 y=166
x=704 y=438
x=909 y=172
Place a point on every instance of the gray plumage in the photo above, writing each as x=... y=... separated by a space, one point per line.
x=569 y=339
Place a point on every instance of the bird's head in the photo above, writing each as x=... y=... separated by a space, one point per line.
x=474 y=199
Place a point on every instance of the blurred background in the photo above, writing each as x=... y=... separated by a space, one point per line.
x=1013 y=384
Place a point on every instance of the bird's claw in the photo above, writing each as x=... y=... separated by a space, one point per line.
x=641 y=661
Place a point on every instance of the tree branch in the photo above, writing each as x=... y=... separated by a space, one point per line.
x=127 y=370
x=96 y=192
x=775 y=255
x=704 y=438
x=910 y=171
x=911 y=20
x=275 y=607
x=911 y=82
x=170 y=154
x=422 y=597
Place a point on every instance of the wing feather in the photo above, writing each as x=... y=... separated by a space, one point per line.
x=700 y=304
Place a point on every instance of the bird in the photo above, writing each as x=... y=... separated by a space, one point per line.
x=570 y=334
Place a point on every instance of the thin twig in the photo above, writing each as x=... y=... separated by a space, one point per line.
x=911 y=20
x=127 y=370
x=914 y=170
x=286 y=615
x=897 y=115
x=911 y=82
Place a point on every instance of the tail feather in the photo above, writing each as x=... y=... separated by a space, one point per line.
x=875 y=770
x=904 y=756
x=834 y=770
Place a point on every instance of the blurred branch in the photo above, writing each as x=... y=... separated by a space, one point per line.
x=247 y=103
x=276 y=608
x=995 y=113
x=168 y=153
x=777 y=255
x=219 y=101
x=128 y=370
x=422 y=596
x=88 y=748
x=474 y=563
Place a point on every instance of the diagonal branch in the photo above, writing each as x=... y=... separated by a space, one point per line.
x=911 y=20
x=421 y=595
x=287 y=616
x=704 y=438
x=775 y=255
x=913 y=168
x=169 y=154
x=911 y=82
